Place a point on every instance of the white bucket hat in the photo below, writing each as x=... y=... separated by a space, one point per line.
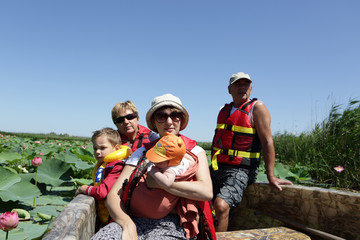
x=166 y=100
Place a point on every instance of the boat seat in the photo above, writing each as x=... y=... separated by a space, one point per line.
x=265 y=233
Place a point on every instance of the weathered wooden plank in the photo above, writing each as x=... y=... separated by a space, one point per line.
x=279 y=233
x=331 y=211
x=76 y=221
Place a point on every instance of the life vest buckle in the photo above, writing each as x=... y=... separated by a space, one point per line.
x=228 y=127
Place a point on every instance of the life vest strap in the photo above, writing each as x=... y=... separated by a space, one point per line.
x=231 y=152
x=98 y=173
x=235 y=128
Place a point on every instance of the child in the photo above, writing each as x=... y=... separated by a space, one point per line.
x=105 y=141
x=168 y=158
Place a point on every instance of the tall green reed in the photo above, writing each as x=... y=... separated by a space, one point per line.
x=333 y=142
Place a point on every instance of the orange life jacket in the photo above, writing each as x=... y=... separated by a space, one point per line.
x=236 y=141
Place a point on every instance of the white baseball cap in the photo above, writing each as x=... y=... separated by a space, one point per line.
x=237 y=76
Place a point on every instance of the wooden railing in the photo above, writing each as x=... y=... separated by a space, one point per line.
x=76 y=221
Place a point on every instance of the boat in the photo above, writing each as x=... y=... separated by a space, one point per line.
x=297 y=212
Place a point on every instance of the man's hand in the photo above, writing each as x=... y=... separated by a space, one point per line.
x=276 y=182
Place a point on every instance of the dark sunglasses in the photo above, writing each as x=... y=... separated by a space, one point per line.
x=161 y=117
x=128 y=117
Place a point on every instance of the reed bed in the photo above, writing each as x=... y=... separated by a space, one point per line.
x=331 y=151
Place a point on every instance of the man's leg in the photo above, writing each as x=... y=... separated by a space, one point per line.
x=232 y=184
x=222 y=210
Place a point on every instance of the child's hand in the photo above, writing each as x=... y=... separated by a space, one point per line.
x=81 y=190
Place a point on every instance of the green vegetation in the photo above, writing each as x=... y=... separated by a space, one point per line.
x=41 y=191
x=332 y=143
x=52 y=135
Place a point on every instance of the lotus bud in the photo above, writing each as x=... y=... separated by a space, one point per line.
x=9 y=221
x=36 y=161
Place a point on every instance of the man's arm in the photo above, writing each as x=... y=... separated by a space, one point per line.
x=262 y=122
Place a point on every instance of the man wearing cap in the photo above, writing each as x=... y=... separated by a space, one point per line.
x=242 y=130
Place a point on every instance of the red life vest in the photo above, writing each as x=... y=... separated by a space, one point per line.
x=142 y=137
x=236 y=141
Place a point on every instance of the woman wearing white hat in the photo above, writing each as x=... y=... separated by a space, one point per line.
x=166 y=114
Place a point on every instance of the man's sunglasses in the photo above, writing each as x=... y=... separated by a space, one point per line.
x=161 y=117
x=128 y=117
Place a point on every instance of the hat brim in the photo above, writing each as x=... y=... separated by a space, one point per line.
x=235 y=80
x=154 y=157
x=163 y=104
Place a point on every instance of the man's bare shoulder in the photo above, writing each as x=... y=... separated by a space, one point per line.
x=260 y=108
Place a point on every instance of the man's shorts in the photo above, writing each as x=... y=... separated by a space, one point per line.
x=229 y=183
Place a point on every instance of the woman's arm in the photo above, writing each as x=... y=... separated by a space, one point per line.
x=116 y=207
x=200 y=189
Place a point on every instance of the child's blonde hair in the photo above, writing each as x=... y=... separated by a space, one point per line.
x=112 y=135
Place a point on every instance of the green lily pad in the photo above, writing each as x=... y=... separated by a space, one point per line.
x=50 y=200
x=29 y=153
x=45 y=150
x=54 y=172
x=11 y=169
x=261 y=177
x=34 y=230
x=82 y=181
x=72 y=158
x=20 y=191
x=9 y=156
x=15 y=234
x=48 y=209
x=27 y=176
x=282 y=171
x=8 y=178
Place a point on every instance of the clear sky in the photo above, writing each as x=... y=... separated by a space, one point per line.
x=64 y=64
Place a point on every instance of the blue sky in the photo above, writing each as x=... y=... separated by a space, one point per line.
x=65 y=64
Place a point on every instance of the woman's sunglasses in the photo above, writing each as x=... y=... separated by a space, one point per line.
x=161 y=117
x=128 y=117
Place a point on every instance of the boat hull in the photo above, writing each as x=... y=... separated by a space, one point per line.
x=319 y=211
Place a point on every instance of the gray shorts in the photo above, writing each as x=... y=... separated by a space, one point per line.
x=229 y=183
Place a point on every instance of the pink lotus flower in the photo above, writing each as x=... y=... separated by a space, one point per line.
x=339 y=168
x=41 y=154
x=36 y=161
x=9 y=221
